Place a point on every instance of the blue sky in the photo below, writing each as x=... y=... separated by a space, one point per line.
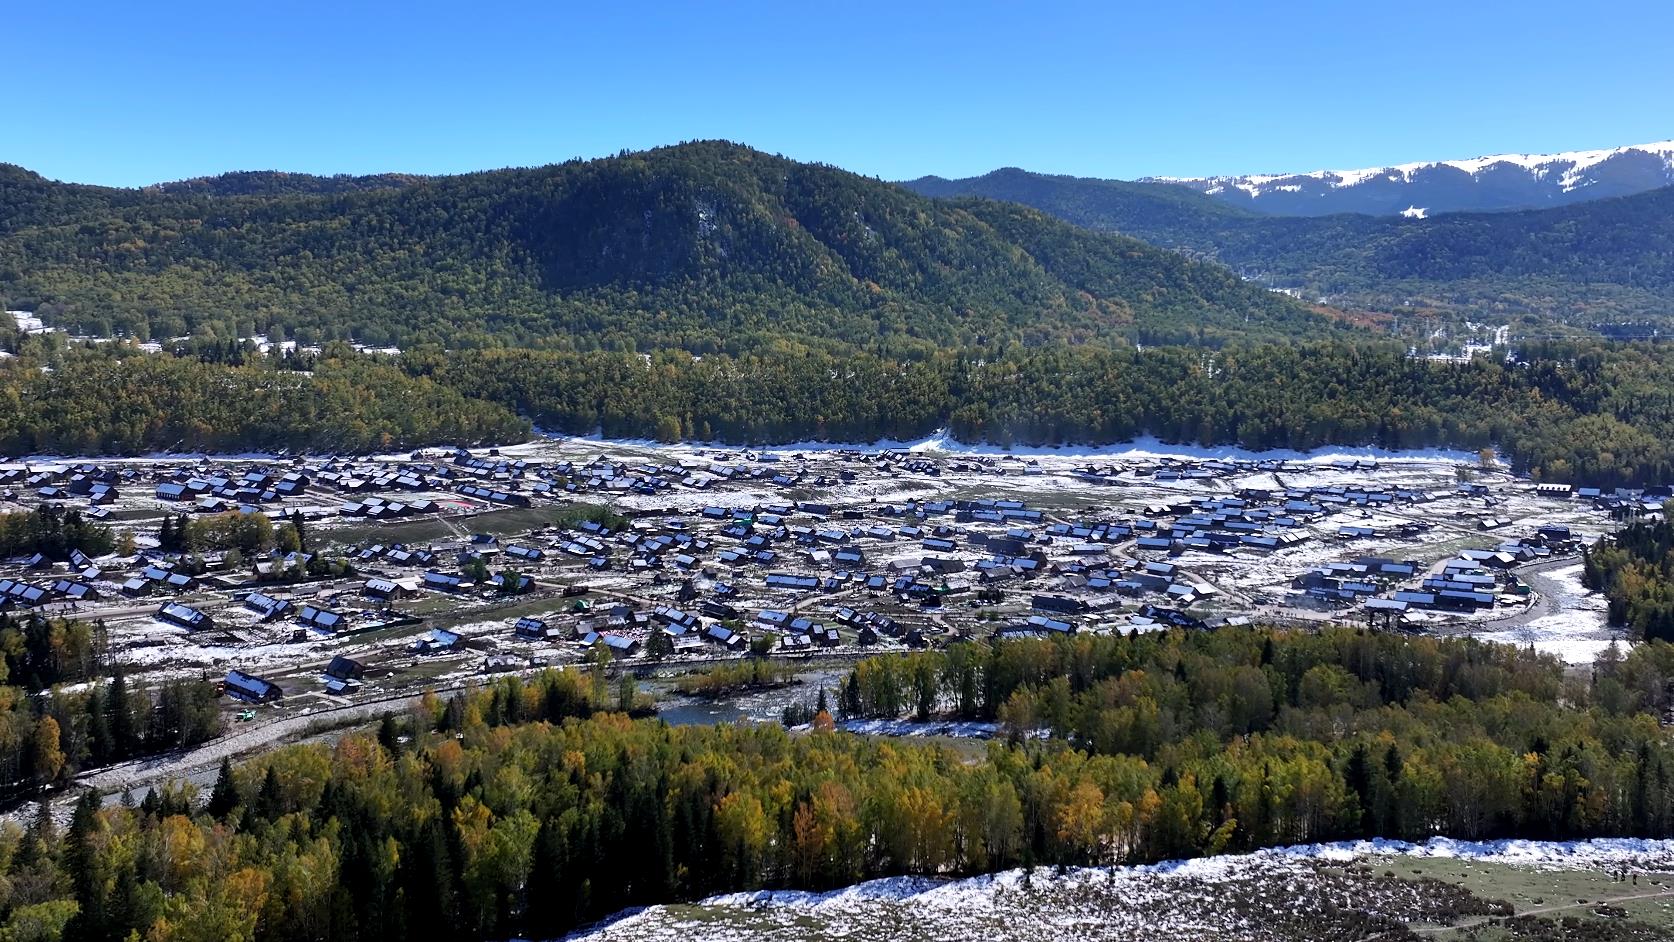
x=132 y=93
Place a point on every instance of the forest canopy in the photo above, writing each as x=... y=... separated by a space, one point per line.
x=1591 y=413
x=113 y=399
x=524 y=810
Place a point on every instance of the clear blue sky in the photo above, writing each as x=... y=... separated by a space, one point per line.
x=130 y=93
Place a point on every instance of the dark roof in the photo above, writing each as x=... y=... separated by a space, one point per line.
x=344 y=668
x=250 y=687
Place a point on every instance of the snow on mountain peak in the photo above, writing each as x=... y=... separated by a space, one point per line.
x=1487 y=183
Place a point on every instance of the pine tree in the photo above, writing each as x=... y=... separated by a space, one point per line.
x=125 y=738
x=659 y=645
x=81 y=862
x=851 y=697
x=224 y=797
x=389 y=734
x=126 y=911
x=40 y=841
x=100 y=745
x=270 y=802
x=548 y=885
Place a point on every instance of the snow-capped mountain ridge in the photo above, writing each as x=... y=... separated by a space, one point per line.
x=1493 y=182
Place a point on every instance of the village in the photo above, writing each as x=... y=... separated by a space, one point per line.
x=442 y=567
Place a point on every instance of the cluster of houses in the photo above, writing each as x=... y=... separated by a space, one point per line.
x=925 y=554
x=97 y=486
x=692 y=573
x=1474 y=580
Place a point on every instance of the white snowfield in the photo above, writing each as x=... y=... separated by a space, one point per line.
x=941 y=441
x=1174 y=899
x=1598 y=854
x=1578 y=632
x=1570 y=168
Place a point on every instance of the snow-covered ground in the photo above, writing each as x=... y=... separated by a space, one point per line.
x=1577 y=632
x=960 y=730
x=943 y=442
x=1283 y=893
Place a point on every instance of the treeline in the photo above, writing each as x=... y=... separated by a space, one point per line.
x=1635 y=571
x=724 y=680
x=62 y=708
x=1582 y=412
x=522 y=811
x=112 y=399
x=1268 y=737
x=39 y=652
x=1592 y=413
x=54 y=533
x=50 y=736
x=248 y=533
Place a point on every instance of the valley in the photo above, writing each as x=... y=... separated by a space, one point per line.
x=636 y=473
x=815 y=556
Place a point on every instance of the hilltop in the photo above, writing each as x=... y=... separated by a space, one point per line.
x=701 y=246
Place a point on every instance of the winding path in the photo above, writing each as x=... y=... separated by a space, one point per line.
x=1474 y=921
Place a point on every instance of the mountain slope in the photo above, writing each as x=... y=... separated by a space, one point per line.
x=1601 y=260
x=1159 y=213
x=1480 y=184
x=702 y=246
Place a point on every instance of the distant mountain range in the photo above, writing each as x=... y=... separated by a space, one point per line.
x=712 y=246
x=1584 y=263
x=705 y=246
x=1479 y=184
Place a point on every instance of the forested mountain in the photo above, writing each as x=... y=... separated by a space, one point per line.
x=1603 y=260
x=779 y=301
x=700 y=246
x=1146 y=210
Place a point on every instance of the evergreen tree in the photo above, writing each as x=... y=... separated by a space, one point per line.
x=101 y=745
x=82 y=864
x=389 y=734
x=270 y=802
x=224 y=797
x=125 y=736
